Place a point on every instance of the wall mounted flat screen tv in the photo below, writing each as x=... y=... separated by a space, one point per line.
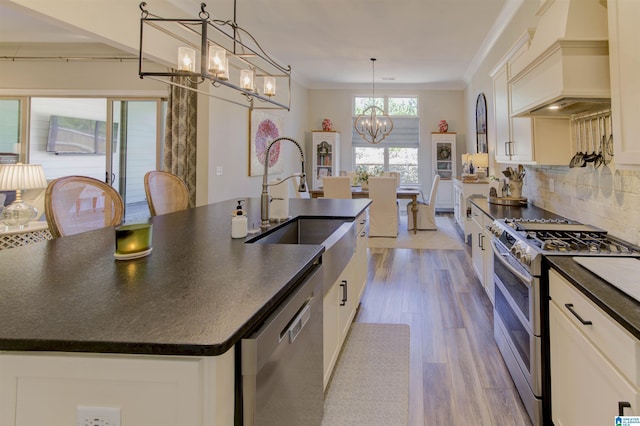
x=71 y=135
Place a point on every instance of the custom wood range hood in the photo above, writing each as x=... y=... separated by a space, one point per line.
x=567 y=64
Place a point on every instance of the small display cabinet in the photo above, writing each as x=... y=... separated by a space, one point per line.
x=325 y=161
x=444 y=165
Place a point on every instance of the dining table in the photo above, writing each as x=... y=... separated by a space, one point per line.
x=405 y=193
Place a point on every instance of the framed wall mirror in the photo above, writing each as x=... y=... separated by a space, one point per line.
x=481 y=124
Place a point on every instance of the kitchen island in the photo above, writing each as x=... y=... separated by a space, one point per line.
x=73 y=319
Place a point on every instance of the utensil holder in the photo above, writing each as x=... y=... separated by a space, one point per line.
x=516 y=189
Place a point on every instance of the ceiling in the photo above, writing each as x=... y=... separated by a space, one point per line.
x=329 y=43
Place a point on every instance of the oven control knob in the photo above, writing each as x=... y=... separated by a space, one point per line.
x=526 y=259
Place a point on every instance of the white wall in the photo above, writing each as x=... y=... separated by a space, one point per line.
x=229 y=146
x=434 y=105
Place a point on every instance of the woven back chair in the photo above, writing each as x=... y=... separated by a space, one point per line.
x=166 y=193
x=75 y=204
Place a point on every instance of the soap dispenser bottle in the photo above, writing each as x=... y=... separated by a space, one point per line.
x=239 y=225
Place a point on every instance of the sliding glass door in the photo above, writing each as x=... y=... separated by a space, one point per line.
x=113 y=140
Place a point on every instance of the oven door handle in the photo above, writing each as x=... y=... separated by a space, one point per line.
x=500 y=256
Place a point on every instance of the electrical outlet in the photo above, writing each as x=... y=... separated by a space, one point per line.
x=219 y=171
x=98 y=416
x=552 y=185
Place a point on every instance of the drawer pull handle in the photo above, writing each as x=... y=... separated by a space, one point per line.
x=621 y=406
x=569 y=306
x=343 y=302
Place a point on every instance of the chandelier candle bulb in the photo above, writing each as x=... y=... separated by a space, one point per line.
x=186 y=59
x=224 y=72
x=217 y=60
x=246 y=79
x=270 y=86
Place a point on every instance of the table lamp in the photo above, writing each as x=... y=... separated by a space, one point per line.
x=481 y=162
x=19 y=177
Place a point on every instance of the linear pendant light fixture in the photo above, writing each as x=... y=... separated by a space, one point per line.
x=373 y=125
x=217 y=52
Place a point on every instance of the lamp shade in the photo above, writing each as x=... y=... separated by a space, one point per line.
x=480 y=159
x=22 y=176
x=465 y=158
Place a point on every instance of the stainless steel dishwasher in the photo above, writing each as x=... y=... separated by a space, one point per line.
x=282 y=361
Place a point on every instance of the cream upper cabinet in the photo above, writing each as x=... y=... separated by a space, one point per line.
x=624 y=63
x=525 y=140
x=513 y=135
x=501 y=114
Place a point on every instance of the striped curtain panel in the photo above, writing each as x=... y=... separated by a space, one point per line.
x=180 y=135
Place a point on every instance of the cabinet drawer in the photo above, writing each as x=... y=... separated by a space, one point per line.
x=480 y=217
x=615 y=343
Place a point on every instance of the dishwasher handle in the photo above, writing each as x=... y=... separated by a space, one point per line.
x=296 y=325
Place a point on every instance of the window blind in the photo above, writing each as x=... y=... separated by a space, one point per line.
x=405 y=134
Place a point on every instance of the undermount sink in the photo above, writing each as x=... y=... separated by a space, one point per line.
x=302 y=231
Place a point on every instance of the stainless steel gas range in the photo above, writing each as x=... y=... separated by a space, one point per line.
x=520 y=314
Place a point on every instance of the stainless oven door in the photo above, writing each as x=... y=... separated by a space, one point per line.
x=520 y=287
x=516 y=308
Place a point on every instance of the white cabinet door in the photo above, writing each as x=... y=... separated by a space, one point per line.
x=331 y=331
x=585 y=387
x=501 y=114
x=478 y=241
x=339 y=305
x=348 y=298
x=444 y=196
x=489 y=285
x=624 y=64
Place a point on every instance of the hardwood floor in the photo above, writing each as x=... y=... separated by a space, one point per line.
x=458 y=376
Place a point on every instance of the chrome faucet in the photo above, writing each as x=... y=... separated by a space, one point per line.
x=264 y=197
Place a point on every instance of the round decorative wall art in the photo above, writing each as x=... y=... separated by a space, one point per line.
x=267 y=131
x=264 y=128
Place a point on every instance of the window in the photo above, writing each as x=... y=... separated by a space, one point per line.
x=399 y=151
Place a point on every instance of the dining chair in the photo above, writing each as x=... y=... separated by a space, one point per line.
x=426 y=216
x=76 y=204
x=336 y=187
x=383 y=212
x=393 y=174
x=166 y=192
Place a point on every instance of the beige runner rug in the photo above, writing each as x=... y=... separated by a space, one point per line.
x=370 y=384
x=447 y=237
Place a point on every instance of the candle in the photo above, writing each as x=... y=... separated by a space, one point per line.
x=186 y=59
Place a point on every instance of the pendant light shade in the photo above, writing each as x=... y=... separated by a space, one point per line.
x=373 y=125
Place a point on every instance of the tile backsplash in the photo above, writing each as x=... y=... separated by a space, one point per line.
x=606 y=197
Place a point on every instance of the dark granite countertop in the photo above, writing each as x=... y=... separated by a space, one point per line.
x=497 y=211
x=622 y=308
x=197 y=293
